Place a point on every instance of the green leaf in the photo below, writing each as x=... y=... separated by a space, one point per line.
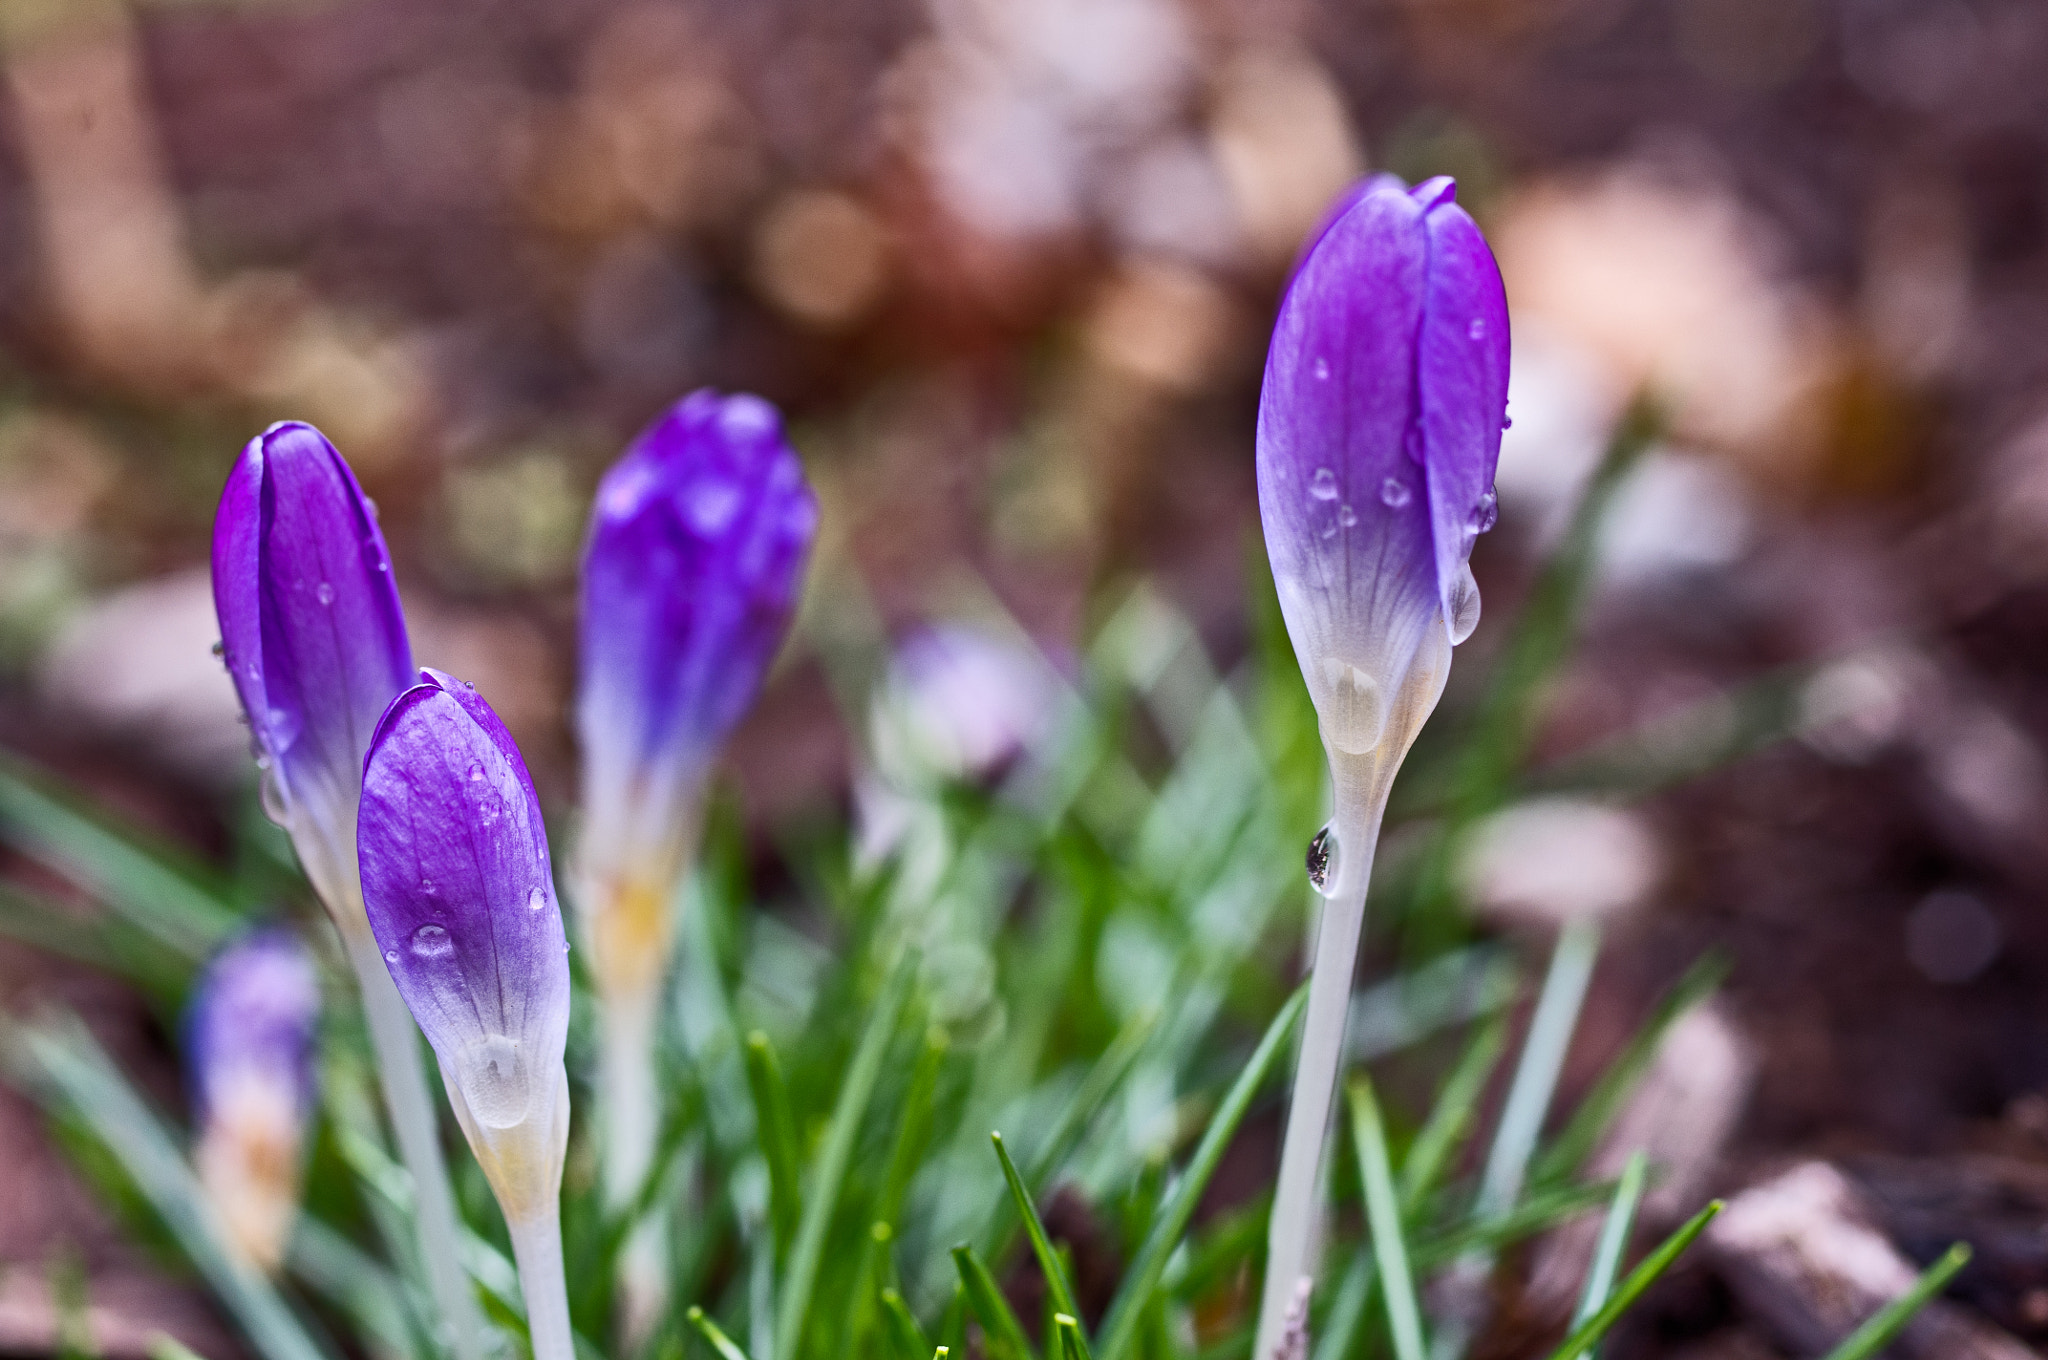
x=777 y=1128
x=1126 y=1312
x=1639 y=1279
x=1067 y=1334
x=1056 y=1281
x=1535 y=1081
x=1003 y=1333
x=1451 y=1118
x=63 y=1062
x=823 y=1193
x=709 y=1330
x=905 y=1336
x=1614 y=1235
x=1891 y=1319
x=1383 y=1210
x=1575 y=1143
x=1531 y=1216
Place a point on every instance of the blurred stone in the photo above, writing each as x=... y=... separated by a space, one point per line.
x=1161 y=322
x=1554 y=860
x=1951 y=936
x=1674 y=514
x=139 y=663
x=822 y=257
x=1285 y=146
x=1171 y=200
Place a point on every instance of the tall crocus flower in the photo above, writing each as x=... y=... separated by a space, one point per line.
x=694 y=562
x=1379 y=427
x=314 y=639
x=249 y=1056
x=461 y=897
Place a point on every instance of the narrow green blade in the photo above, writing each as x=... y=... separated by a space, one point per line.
x=1004 y=1333
x=1451 y=1118
x=1614 y=1235
x=778 y=1134
x=725 y=1346
x=1639 y=1279
x=1383 y=1210
x=1056 y=1282
x=905 y=1336
x=1127 y=1311
x=1067 y=1332
x=823 y=1197
x=1891 y=1319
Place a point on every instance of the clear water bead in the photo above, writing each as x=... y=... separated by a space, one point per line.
x=1346 y=516
x=537 y=899
x=324 y=593
x=1464 y=607
x=220 y=649
x=1394 y=493
x=1477 y=330
x=391 y=956
x=476 y=771
x=432 y=942
x=1322 y=861
x=1322 y=370
x=1323 y=486
x=1486 y=512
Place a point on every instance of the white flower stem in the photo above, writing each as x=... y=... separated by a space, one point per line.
x=407 y=1099
x=1360 y=802
x=627 y=1084
x=537 y=1250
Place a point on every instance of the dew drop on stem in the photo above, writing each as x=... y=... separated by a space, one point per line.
x=1323 y=854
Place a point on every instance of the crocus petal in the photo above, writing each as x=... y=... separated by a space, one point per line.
x=460 y=896
x=311 y=627
x=252 y=1019
x=695 y=557
x=1379 y=424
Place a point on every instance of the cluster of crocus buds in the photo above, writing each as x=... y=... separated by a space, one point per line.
x=461 y=897
x=1379 y=426
x=249 y=1051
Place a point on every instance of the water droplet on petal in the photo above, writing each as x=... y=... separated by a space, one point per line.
x=1354 y=717
x=1323 y=861
x=494 y=1080
x=1477 y=330
x=220 y=649
x=427 y=886
x=324 y=593
x=1322 y=370
x=711 y=505
x=1394 y=493
x=1464 y=606
x=283 y=728
x=1323 y=486
x=275 y=805
x=537 y=899
x=1507 y=422
x=1486 y=511
x=432 y=942
x=1346 y=516
x=391 y=956
x=476 y=771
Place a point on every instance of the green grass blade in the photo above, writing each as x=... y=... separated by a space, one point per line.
x=1531 y=1216
x=778 y=1134
x=823 y=1193
x=1891 y=1319
x=148 y=884
x=1102 y=1080
x=1067 y=1331
x=1568 y=1152
x=725 y=1346
x=905 y=1336
x=1550 y=1034
x=66 y=1062
x=1337 y=1339
x=1383 y=1210
x=914 y=1127
x=1614 y=1235
x=1451 y=1118
x=1003 y=1332
x=1639 y=1279
x=1056 y=1282
x=1126 y=1312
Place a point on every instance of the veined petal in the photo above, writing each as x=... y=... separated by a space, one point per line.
x=461 y=898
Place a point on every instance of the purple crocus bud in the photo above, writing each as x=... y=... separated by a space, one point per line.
x=693 y=567
x=461 y=897
x=249 y=1050
x=1379 y=427
x=312 y=633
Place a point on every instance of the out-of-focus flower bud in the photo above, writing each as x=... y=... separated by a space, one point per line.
x=461 y=897
x=695 y=560
x=249 y=1047
x=1379 y=427
x=313 y=635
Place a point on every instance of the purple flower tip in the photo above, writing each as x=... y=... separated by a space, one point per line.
x=311 y=629
x=250 y=1024
x=1379 y=427
x=461 y=897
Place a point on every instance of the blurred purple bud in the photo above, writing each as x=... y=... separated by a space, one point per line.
x=311 y=632
x=960 y=702
x=461 y=898
x=1379 y=428
x=249 y=1054
x=694 y=564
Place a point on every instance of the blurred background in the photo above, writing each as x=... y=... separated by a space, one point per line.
x=1008 y=266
